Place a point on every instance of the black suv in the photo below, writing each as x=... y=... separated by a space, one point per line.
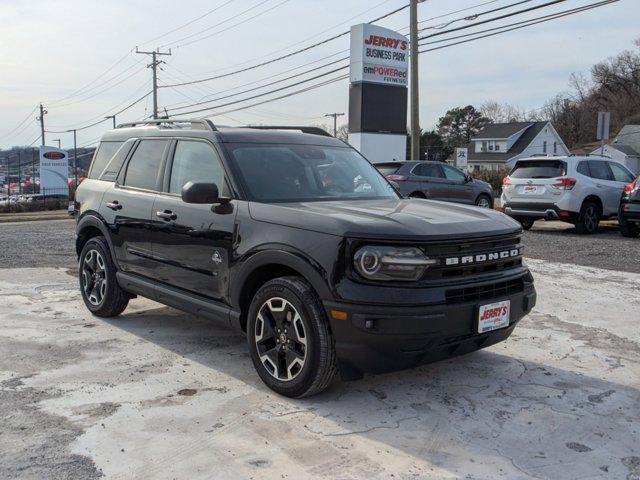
x=291 y=236
x=629 y=214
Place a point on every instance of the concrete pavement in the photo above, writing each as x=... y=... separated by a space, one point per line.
x=159 y=394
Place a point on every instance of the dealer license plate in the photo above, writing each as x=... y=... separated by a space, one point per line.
x=493 y=316
x=530 y=190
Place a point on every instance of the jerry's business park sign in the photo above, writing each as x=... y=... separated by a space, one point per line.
x=54 y=171
x=378 y=92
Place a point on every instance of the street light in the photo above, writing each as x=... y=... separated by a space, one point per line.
x=57 y=140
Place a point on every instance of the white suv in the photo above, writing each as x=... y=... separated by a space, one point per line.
x=579 y=190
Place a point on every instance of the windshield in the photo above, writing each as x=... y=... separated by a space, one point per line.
x=539 y=169
x=291 y=173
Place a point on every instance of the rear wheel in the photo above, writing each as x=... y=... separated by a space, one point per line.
x=100 y=291
x=526 y=223
x=629 y=229
x=588 y=219
x=484 y=201
x=289 y=339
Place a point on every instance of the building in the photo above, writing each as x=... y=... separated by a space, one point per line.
x=625 y=148
x=499 y=145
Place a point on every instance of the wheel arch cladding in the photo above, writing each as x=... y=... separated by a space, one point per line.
x=594 y=199
x=88 y=228
x=267 y=265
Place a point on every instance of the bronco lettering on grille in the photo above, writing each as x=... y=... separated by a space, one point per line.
x=483 y=257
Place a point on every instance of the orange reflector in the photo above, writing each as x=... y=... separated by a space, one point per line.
x=339 y=314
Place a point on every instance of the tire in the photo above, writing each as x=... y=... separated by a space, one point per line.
x=588 y=219
x=287 y=309
x=484 y=201
x=526 y=223
x=97 y=275
x=628 y=229
x=417 y=195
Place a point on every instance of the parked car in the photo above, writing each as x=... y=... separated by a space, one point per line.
x=579 y=190
x=437 y=181
x=291 y=236
x=629 y=214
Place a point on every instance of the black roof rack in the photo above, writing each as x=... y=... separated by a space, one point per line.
x=204 y=123
x=309 y=130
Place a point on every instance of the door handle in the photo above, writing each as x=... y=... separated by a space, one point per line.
x=115 y=205
x=166 y=215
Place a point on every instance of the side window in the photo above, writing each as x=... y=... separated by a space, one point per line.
x=195 y=161
x=599 y=170
x=452 y=174
x=583 y=168
x=620 y=174
x=428 y=170
x=142 y=171
x=105 y=152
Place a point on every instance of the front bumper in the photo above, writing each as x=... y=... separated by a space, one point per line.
x=377 y=339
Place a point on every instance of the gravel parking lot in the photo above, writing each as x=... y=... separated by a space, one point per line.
x=156 y=393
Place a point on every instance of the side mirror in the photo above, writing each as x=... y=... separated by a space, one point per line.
x=201 y=193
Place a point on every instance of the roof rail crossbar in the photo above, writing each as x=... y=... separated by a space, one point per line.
x=309 y=130
x=205 y=123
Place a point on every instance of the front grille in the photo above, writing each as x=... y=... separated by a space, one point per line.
x=485 y=292
x=462 y=251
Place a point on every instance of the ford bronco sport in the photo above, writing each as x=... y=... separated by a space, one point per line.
x=292 y=237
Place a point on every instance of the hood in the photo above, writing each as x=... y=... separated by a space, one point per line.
x=388 y=219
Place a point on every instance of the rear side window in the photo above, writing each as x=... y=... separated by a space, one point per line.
x=583 y=168
x=599 y=170
x=142 y=171
x=428 y=170
x=106 y=150
x=387 y=169
x=620 y=173
x=195 y=161
x=539 y=169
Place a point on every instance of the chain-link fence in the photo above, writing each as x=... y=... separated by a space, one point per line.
x=35 y=200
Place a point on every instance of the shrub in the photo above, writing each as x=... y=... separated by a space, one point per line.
x=492 y=177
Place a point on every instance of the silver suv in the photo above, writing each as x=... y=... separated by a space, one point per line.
x=578 y=190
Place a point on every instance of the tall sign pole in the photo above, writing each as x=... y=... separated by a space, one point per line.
x=604 y=124
x=154 y=68
x=413 y=83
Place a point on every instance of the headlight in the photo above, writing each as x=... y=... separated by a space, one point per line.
x=391 y=263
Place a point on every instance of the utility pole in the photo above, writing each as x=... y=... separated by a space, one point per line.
x=19 y=170
x=112 y=117
x=75 y=156
x=335 y=121
x=154 y=67
x=43 y=112
x=415 y=100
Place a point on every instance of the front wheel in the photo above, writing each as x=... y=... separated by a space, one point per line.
x=526 y=223
x=484 y=201
x=100 y=291
x=289 y=338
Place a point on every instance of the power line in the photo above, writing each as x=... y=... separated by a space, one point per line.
x=488 y=20
x=269 y=84
x=22 y=122
x=457 y=11
x=189 y=22
x=224 y=21
x=288 y=55
x=533 y=22
x=473 y=16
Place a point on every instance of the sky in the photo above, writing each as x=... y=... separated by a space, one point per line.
x=78 y=57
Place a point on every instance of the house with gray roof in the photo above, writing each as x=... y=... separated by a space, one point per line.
x=499 y=145
x=625 y=148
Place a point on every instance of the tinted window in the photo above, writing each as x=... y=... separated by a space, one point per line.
x=428 y=170
x=453 y=174
x=538 y=169
x=583 y=168
x=599 y=170
x=388 y=169
x=620 y=173
x=289 y=173
x=105 y=151
x=195 y=161
x=142 y=171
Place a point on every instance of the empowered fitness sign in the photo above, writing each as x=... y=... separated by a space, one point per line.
x=378 y=55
